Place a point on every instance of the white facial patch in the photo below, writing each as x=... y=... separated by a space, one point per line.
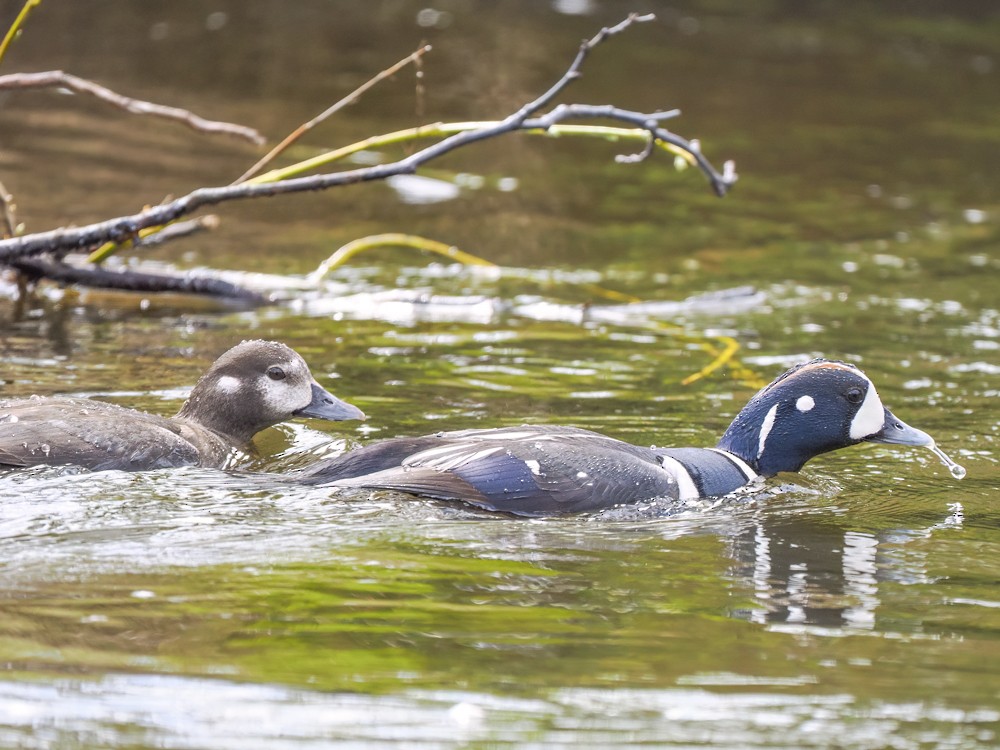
x=228 y=384
x=765 y=429
x=870 y=416
x=805 y=403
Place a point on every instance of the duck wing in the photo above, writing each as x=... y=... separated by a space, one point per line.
x=91 y=434
x=531 y=470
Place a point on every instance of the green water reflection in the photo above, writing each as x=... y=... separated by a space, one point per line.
x=853 y=605
x=490 y=606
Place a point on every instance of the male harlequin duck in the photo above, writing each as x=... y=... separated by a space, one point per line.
x=535 y=470
x=254 y=385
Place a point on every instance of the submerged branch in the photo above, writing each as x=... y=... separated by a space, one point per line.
x=134 y=281
x=355 y=247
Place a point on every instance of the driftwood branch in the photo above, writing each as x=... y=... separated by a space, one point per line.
x=57 y=78
x=133 y=281
x=526 y=118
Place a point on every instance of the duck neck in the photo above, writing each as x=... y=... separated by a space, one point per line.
x=757 y=437
x=218 y=416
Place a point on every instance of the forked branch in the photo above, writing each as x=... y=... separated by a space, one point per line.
x=526 y=118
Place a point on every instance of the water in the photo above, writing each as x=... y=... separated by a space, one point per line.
x=958 y=471
x=851 y=605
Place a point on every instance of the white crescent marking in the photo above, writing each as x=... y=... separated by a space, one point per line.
x=765 y=429
x=870 y=416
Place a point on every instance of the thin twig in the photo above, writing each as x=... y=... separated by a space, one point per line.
x=52 y=78
x=349 y=99
x=646 y=152
x=9 y=217
x=574 y=69
x=181 y=229
x=15 y=27
x=127 y=227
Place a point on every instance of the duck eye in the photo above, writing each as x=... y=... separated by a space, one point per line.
x=855 y=395
x=275 y=373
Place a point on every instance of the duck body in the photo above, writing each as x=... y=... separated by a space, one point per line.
x=537 y=470
x=534 y=469
x=101 y=436
x=254 y=385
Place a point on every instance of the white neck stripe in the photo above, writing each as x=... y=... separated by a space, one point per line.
x=686 y=488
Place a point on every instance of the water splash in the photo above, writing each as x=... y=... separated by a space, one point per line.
x=957 y=470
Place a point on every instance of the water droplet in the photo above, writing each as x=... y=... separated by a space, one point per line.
x=957 y=470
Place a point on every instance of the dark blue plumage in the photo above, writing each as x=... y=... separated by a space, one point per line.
x=532 y=470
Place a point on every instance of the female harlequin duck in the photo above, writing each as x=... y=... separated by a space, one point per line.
x=254 y=385
x=533 y=470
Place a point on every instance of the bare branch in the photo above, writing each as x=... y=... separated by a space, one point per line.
x=573 y=72
x=646 y=152
x=58 y=78
x=127 y=228
x=721 y=182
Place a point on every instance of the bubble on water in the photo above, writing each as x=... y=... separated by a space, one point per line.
x=957 y=470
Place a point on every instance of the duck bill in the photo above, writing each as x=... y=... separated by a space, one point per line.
x=325 y=405
x=896 y=432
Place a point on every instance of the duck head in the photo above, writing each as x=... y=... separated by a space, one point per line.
x=813 y=408
x=255 y=385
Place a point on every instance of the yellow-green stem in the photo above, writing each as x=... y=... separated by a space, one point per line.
x=16 y=26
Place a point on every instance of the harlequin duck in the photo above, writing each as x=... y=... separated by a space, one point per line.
x=254 y=385
x=536 y=470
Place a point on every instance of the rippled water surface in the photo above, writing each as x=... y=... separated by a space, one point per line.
x=853 y=605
